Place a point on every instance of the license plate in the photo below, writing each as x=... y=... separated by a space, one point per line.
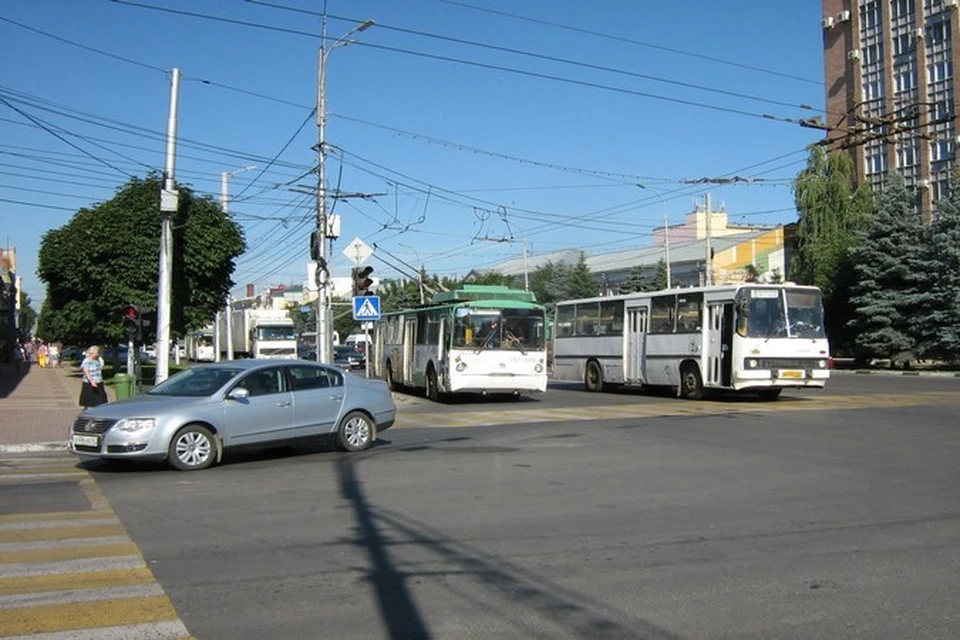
x=85 y=441
x=791 y=374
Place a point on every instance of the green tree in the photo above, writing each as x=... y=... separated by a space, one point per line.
x=832 y=214
x=937 y=322
x=659 y=281
x=889 y=270
x=549 y=282
x=28 y=316
x=636 y=280
x=581 y=282
x=108 y=256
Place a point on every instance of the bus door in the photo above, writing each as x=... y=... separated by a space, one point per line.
x=409 y=344
x=720 y=339
x=636 y=344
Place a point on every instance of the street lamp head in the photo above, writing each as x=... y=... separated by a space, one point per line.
x=366 y=24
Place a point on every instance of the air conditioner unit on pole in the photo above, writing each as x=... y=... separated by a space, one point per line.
x=827 y=23
x=918 y=32
x=843 y=16
x=853 y=55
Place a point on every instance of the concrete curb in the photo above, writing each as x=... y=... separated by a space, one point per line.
x=34 y=447
x=881 y=372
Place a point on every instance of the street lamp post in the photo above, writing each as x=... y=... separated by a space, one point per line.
x=228 y=326
x=666 y=227
x=419 y=271
x=323 y=268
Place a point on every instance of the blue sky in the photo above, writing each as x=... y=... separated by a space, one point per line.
x=462 y=122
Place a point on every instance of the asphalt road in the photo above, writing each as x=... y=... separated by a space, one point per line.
x=829 y=514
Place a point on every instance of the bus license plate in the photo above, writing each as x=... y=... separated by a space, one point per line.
x=791 y=374
x=86 y=441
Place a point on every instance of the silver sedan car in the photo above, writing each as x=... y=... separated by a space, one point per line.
x=190 y=418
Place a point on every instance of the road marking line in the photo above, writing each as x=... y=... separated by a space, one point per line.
x=45 y=598
x=79 y=580
x=68 y=553
x=59 y=533
x=168 y=630
x=81 y=615
x=22 y=569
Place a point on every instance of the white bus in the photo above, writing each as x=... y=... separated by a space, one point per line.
x=199 y=346
x=479 y=338
x=744 y=337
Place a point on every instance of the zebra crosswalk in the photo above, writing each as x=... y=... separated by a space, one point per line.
x=68 y=569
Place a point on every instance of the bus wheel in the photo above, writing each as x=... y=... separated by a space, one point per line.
x=593 y=378
x=691 y=385
x=433 y=392
x=769 y=394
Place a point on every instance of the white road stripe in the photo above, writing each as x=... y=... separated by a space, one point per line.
x=80 y=595
x=150 y=631
x=20 y=570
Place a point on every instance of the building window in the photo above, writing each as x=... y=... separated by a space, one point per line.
x=941 y=150
x=870 y=15
x=907 y=156
x=873 y=54
x=905 y=81
x=876 y=163
x=940 y=71
x=902 y=44
x=939 y=32
x=901 y=8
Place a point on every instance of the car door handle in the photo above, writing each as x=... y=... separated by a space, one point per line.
x=336 y=398
x=284 y=404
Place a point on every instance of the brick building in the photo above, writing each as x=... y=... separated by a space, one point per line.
x=890 y=97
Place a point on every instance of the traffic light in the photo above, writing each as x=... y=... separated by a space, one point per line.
x=362 y=281
x=132 y=320
x=148 y=318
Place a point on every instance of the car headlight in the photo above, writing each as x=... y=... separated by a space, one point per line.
x=135 y=424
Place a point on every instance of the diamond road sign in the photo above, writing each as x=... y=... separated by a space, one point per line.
x=366 y=308
x=358 y=251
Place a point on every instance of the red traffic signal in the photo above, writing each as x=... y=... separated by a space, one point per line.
x=362 y=281
x=131 y=319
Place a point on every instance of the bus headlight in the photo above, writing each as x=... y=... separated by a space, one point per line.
x=752 y=363
x=822 y=364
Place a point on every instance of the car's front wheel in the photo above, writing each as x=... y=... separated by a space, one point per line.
x=356 y=432
x=192 y=448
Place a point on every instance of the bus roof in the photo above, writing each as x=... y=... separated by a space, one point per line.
x=475 y=292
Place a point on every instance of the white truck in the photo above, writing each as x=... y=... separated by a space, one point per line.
x=261 y=333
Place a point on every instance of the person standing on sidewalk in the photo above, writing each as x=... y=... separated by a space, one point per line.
x=92 y=392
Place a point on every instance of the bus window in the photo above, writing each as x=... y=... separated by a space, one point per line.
x=805 y=311
x=565 y=315
x=588 y=317
x=689 y=312
x=661 y=314
x=611 y=318
x=765 y=314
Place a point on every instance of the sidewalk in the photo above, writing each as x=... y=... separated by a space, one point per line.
x=38 y=406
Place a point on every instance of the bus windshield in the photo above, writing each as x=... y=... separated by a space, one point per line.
x=511 y=329
x=775 y=313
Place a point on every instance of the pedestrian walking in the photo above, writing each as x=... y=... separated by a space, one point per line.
x=53 y=353
x=92 y=391
x=43 y=354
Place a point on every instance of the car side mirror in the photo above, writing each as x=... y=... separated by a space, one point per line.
x=238 y=393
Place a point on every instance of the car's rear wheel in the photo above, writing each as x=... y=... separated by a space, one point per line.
x=192 y=448
x=356 y=432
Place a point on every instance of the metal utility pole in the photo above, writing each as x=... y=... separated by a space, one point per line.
x=227 y=311
x=666 y=228
x=324 y=328
x=709 y=258
x=169 y=200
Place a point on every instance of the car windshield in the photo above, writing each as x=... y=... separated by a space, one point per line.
x=195 y=383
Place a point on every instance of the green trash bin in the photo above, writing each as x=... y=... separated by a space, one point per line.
x=122 y=386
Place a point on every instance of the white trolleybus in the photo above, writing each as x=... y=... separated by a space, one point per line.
x=479 y=338
x=743 y=337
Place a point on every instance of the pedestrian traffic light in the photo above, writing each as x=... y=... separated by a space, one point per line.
x=148 y=318
x=132 y=320
x=362 y=281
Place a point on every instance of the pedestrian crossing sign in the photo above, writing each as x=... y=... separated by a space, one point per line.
x=366 y=308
